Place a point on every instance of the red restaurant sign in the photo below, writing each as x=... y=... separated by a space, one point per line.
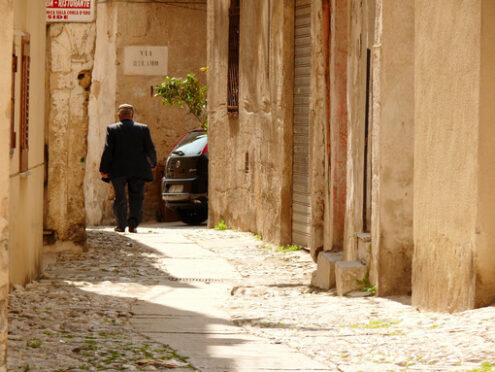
x=70 y=10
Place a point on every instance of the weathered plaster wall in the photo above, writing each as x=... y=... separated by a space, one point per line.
x=250 y=156
x=361 y=37
x=393 y=147
x=6 y=38
x=119 y=25
x=102 y=102
x=26 y=189
x=447 y=89
x=485 y=251
x=319 y=117
x=336 y=134
x=70 y=53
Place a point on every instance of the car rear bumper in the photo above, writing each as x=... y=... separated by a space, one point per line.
x=182 y=196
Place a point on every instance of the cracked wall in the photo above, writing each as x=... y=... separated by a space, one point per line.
x=251 y=154
x=70 y=59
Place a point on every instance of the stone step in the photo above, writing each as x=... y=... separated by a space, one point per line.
x=324 y=276
x=364 y=248
x=347 y=273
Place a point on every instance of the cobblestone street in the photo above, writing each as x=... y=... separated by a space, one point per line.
x=85 y=313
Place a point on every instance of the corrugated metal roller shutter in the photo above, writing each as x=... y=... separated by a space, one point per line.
x=301 y=206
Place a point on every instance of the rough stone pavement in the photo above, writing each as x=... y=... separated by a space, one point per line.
x=132 y=295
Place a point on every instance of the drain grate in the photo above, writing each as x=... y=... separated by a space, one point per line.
x=202 y=280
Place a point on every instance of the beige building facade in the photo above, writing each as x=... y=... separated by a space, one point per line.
x=22 y=46
x=341 y=140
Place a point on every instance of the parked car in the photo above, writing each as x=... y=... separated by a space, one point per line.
x=185 y=184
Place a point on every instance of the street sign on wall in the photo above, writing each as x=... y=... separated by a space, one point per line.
x=145 y=60
x=70 y=10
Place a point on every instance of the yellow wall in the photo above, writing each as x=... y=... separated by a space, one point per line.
x=447 y=86
x=6 y=34
x=26 y=190
x=485 y=252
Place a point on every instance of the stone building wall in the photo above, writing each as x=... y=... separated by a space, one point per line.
x=319 y=117
x=118 y=25
x=361 y=37
x=251 y=154
x=6 y=38
x=26 y=186
x=336 y=134
x=70 y=58
x=453 y=262
x=393 y=147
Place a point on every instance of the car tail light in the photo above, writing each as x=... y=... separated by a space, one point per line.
x=205 y=150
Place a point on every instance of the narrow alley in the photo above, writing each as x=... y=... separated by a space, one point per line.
x=188 y=298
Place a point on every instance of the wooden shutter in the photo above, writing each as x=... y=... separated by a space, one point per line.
x=233 y=68
x=13 y=136
x=24 y=106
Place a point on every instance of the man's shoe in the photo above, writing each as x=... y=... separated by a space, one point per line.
x=132 y=227
x=119 y=229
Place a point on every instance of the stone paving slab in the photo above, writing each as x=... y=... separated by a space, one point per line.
x=191 y=320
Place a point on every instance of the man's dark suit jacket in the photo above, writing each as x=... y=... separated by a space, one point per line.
x=129 y=151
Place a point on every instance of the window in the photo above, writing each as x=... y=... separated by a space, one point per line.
x=233 y=69
x=24 y=104
x=13 y=137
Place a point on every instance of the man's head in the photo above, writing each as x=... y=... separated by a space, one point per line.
x=126 y=111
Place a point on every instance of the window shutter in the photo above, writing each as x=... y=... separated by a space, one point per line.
x=13 y=137
x=24 y=114
x=233 y=68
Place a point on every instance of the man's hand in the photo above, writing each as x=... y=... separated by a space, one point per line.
x=104 y=175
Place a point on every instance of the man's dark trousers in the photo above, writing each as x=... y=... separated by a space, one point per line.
x=136 y=197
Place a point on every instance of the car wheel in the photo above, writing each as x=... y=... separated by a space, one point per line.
x=193 y=216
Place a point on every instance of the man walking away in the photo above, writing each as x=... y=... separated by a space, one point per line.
x=129 y=157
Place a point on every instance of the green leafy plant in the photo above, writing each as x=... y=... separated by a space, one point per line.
x=34 y=344
x=185 y=92
x=366 y=284
x=221 y=226
x=258 y=236
x=288 y=248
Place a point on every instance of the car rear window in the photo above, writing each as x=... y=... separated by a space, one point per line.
x=192 y=144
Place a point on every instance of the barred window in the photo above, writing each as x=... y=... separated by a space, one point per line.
x=233 y=68
x=13 y=136
x=24 y=104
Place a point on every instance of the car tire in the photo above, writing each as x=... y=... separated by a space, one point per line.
x=193 y=216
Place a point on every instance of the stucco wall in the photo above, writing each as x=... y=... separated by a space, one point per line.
x=336 y=163
x=319 y=116
x=26 y=190
x=6 y=37
x=361 y=25
x=447 y=88
x=101 y=113
x=70 y=53
x=485 y=251
x=250 y=155
x=119 y=25
x=393 y=147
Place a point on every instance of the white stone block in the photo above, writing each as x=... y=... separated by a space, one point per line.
x=324 y=276
x=347 y=273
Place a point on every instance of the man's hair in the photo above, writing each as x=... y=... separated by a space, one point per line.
x=126 y=109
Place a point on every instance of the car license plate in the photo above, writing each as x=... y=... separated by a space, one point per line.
x=176 y=188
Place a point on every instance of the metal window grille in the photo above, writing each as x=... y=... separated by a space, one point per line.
x=24 y=114
x=233 y=69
